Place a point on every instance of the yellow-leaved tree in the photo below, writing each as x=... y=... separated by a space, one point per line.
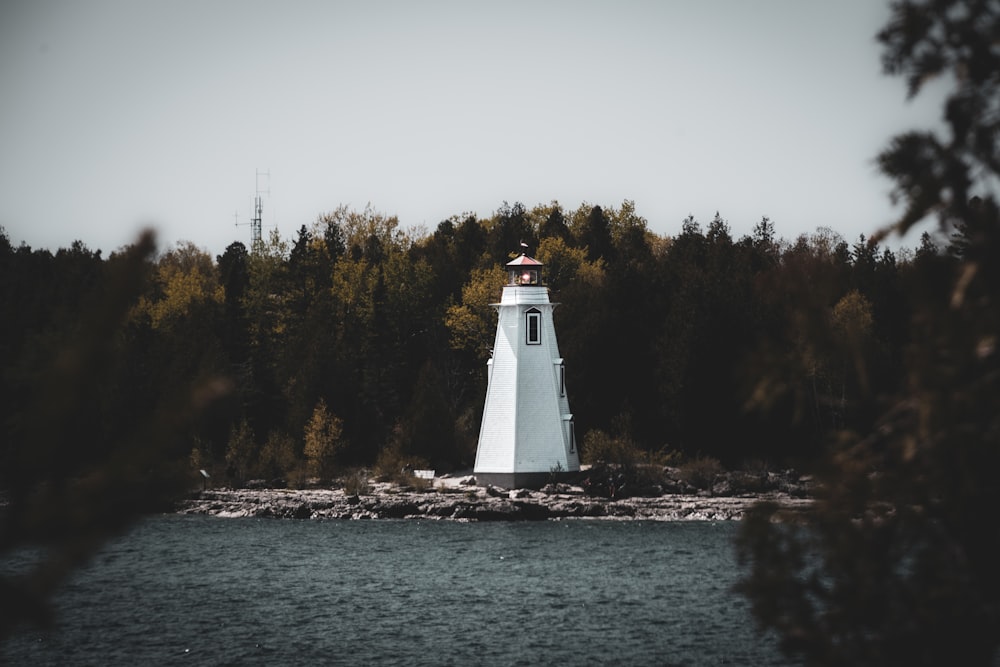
x=472 y=323
x=323 y=441
x=184 y=277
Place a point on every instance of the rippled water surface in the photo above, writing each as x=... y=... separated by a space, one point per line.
x=208 y=591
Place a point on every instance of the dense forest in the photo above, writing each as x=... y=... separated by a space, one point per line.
x=359 y=339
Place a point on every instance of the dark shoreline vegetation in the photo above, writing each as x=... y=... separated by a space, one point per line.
x=361 y=345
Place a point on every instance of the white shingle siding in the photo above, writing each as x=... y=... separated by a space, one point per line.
x=525 y=427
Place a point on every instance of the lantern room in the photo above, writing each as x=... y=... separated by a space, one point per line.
x=525 y=271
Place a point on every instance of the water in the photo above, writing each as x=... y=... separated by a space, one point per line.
x=191 y=590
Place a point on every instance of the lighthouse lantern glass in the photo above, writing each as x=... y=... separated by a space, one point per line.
x=524 y=277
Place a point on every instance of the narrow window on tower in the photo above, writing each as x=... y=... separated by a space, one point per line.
x=572 y=437
x=533 y=327
x=562 y=380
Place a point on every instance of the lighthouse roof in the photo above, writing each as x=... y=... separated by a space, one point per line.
x=524 y=260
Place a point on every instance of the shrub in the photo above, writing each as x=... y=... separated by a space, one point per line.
x=754 y=477
x=277 y=457
x=600 y=447
x=701 y=472
x=420 y=484
x=356 y=483
x=392 y=465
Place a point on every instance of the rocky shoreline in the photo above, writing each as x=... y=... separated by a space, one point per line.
x=464 y=502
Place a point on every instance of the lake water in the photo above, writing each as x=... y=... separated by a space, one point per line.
x=196 y=590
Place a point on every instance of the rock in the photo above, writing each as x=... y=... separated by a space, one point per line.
x=463 y=511
x=494 y=512
x=620 y=509
x=490 y=504
x=721 y=488
x=533 y=511
x=673 y=486
x=577 y=509
x=648 y=491
x=442 y=510
x=396 y=509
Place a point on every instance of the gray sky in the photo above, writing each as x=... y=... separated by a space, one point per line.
x=121 y=114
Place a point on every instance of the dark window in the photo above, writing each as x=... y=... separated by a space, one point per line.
x=562 y=380
x=533 y=322
x=572 y=437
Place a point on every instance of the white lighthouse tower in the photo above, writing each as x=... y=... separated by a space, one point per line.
x=527 y=430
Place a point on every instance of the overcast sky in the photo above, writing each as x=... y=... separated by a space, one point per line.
x=121 y=114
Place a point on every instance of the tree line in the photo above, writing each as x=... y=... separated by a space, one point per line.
x=359 y=339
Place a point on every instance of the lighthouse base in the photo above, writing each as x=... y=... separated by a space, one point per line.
x=516 y=480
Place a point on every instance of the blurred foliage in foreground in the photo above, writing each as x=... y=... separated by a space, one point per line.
x=900 y=561
x=77 y=468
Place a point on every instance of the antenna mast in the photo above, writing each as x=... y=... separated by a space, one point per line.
x=256 y=222
x=257 y=226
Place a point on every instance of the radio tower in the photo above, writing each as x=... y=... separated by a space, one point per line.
x=256 y=224
x=257 y=221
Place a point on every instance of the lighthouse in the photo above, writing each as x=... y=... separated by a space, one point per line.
x=527 y=431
